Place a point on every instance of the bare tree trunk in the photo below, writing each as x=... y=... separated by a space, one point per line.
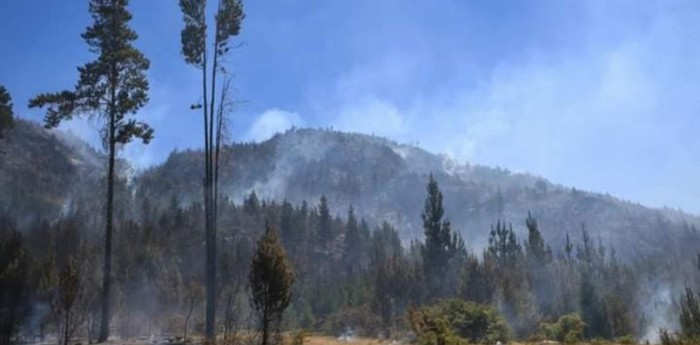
x=66 y=328
x=106 y=281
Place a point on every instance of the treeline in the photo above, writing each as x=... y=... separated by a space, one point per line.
x=348 y=274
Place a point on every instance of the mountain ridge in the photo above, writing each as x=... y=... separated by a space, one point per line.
x=383 y=180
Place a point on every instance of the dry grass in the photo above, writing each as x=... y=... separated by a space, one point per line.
x=319 y=340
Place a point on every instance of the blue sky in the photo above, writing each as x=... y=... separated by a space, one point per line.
x=601 y=95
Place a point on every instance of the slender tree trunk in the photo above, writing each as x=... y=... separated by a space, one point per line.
x=66 y=326
x=265 y=332
x=107 y=272
x=211 y=198
x=106 y=281
x=210 y=312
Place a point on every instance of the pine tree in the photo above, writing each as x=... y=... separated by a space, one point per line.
x=325 y=223
x=539 y=257
x=503 y=245
x=6 y=112
x=439 y=244
x=690 y=314
x=352 y=249
x=535 y=247
x=14 y=281
x=271 y=280
x=228 y=19
x=111 y=87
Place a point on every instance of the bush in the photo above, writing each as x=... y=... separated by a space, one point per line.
x=568 y=329
x=457 y=322
x=626 y=340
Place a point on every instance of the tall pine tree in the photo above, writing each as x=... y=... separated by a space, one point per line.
x=439 y=242
x=111 y=88
x=195 y=50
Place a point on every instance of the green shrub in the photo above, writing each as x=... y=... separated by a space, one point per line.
x=568 y=329
x=457 y=322
x=627 y=340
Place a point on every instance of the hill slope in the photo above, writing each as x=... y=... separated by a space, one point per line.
x=384 y=181
x=43 y=172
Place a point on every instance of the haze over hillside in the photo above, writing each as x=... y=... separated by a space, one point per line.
x=383 y=180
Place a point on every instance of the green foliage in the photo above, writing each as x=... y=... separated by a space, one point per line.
x=6 y=112
x=391 y=276
x=503 y=245
x=457 y=322
x=627 y=340
x=111 y=87
x=271 y=280
x=690 y=314
x=14 y=281
x=440 y=243
x=568 y=329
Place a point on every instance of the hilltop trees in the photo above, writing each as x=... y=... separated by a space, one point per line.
x=195 y=50
x=271 y=281
x=6 y=112
x=110 y=88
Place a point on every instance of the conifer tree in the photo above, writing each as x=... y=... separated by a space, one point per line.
x=271 y=280
x=690 y=314
x=6 y=112
x=352 y=249
x=14 y=281
x=196 y=52
x=439 y=242
x=538 y=256
x=110 y=88
x=325 y=223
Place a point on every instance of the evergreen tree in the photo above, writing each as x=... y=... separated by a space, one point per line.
x=535 y=247
x=14 y=281
x=352 y=249
x=503 y=245
x=271 y=281
x=324 y=226
x=111 y=87
x=439 y=244
x=6 y=112
x=228 y=19
x=690 y=314
x=287 y=223
x=539 y=257
x=568 y=248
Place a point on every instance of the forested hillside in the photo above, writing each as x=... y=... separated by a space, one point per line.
x=364 y=242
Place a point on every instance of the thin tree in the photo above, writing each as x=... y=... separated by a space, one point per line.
x=109 y=88
x=6 y=113
x=229 y=15
x=271 y=280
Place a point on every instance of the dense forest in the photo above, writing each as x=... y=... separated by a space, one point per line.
x=349 y=274
x=310 y=231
